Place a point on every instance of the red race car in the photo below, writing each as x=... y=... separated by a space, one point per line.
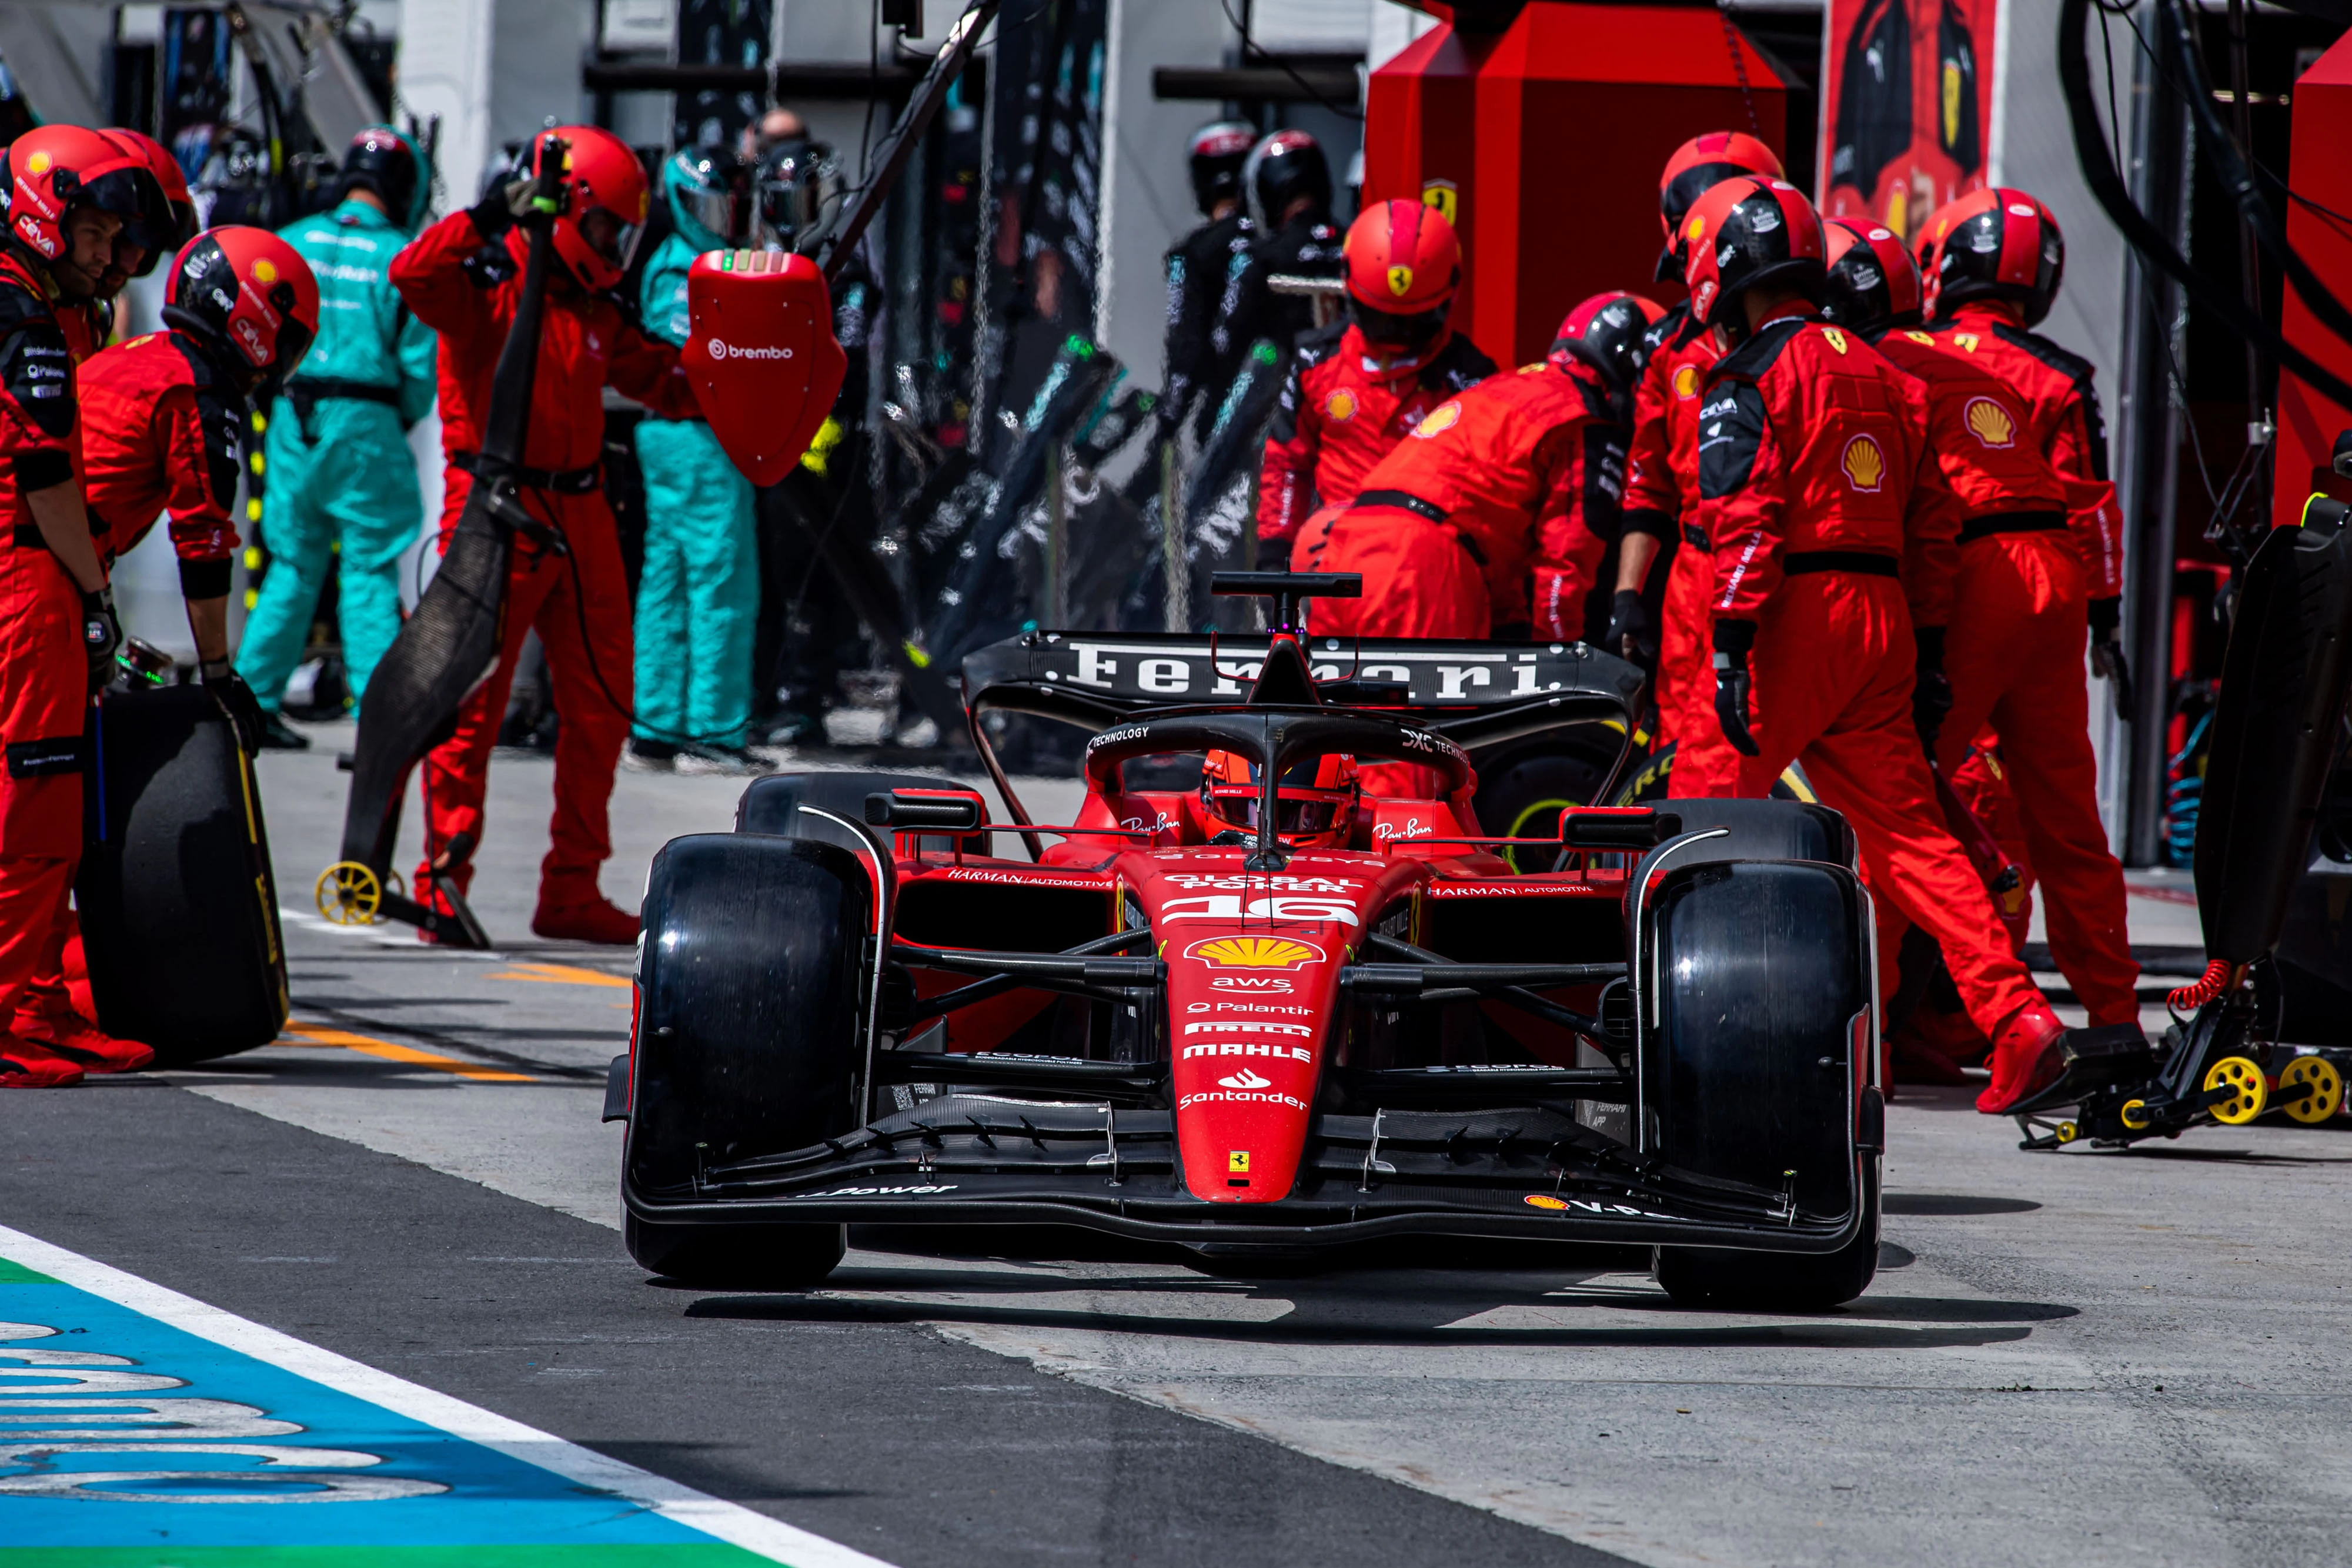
x=1273 y=991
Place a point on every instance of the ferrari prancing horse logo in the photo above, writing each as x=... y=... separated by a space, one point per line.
x=1400 y=281
x=1440 y=194
x=1864 y=465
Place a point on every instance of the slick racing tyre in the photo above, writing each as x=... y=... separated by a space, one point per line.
x=1734 y=1282
x=1522 y=791
x=1758 y=1052
x=748 y=1022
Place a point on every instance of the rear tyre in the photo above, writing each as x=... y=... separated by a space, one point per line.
x=737 y=1257
x=1728 y=1281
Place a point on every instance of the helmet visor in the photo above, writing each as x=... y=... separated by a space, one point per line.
x=612 y=236
x=712 y=211
x=1393 y=330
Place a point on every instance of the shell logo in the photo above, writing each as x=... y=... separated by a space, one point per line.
x=1864 y=465
x=39 y=163
x=1400 y=281
x=1341 y=406
x=1835 y=338
x=1440 y=419
x=264 y=272
x=1697 y=227
x=1254 y=952
x=1686 y=382
x=1989 y=422
x=1546 y=1200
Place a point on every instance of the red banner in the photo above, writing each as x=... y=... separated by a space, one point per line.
x=1906 y=107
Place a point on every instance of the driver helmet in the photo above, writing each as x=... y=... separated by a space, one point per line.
x=1316 y=803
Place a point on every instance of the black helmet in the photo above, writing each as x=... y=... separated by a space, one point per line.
x=1994 y=244
x=795 y=182
x=1218 y=152
x=1745 y=233
x=1610 y=332
x=383 y=161
x=1284 y=167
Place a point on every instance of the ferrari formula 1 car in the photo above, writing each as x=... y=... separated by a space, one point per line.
x=1263 y=1014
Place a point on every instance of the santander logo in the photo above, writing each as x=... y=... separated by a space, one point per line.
x=720 y=348
x=1245 y=1079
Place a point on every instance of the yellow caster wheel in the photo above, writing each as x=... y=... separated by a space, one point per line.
x=348 y=893
x=2248 y=1093
x=2326 y=1095
x=2067 y=1132
x=2135 y=1116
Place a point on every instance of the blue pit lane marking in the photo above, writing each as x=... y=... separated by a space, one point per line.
x=131 y=1415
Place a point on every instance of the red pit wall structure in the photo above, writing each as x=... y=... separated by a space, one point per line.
x=1550 y=134
x=2309 y=420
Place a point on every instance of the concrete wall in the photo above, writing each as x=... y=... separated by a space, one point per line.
x=495 y=71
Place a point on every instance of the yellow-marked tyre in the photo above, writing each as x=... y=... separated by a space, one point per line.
x=2248 y=1093
x=2135 y=1116
x=2326 y=1095
x=348 y=893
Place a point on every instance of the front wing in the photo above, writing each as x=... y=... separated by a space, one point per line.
x=1530 y=1172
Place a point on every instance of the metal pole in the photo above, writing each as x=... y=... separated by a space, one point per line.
x=1177 y=571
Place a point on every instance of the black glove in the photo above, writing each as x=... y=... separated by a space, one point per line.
x=236 y=700
x=1630 y=634
x=1931 y=689
x=2107 y=653
x=1732 y=641
x=101 y=636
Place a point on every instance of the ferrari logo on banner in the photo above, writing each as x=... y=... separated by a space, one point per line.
x=1440 y=194
x=1907 y=105
x=1864 y=465
x=1989 y=422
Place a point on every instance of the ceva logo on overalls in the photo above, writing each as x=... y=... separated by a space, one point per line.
x=720 y=348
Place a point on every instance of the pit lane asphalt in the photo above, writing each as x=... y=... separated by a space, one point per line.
x=2086 y=1358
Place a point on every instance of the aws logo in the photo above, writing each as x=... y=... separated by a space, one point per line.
x=1989 y=422
x=1864 y=465
x=1686 y=382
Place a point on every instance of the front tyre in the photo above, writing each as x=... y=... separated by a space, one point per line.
x=1725 y=1280
x=737 y=1257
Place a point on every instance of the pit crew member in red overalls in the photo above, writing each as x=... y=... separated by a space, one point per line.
x=1661 y=476
x=2053 y=578
x=1811 y=447
x=463 y=277
x=1357 y=386
x=72 y=192
x=164 y=415
x=1490 y=518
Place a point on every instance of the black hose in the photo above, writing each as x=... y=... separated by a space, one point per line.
x=2114 y=198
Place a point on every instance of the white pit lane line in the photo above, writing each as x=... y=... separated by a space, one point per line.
x=721 y=1521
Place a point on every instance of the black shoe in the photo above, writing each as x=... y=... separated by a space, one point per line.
x=276 y=735
x=649 y=756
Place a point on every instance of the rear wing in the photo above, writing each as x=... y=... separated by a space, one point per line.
x=1114 y=674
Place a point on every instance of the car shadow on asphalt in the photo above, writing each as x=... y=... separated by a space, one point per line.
x=1851 y=1328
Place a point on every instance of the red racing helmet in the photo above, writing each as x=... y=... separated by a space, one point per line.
x=1994 y=244
x=1403 y=266
x=1746 y=232
x=600 y=175
x=1873 y=284
x=1316 y=802
x=172 y=224
x=1699 y=164
x=248 y=293
x=54 y=168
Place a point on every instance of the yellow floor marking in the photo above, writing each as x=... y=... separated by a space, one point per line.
x=560 y=974
x=315 y=1034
